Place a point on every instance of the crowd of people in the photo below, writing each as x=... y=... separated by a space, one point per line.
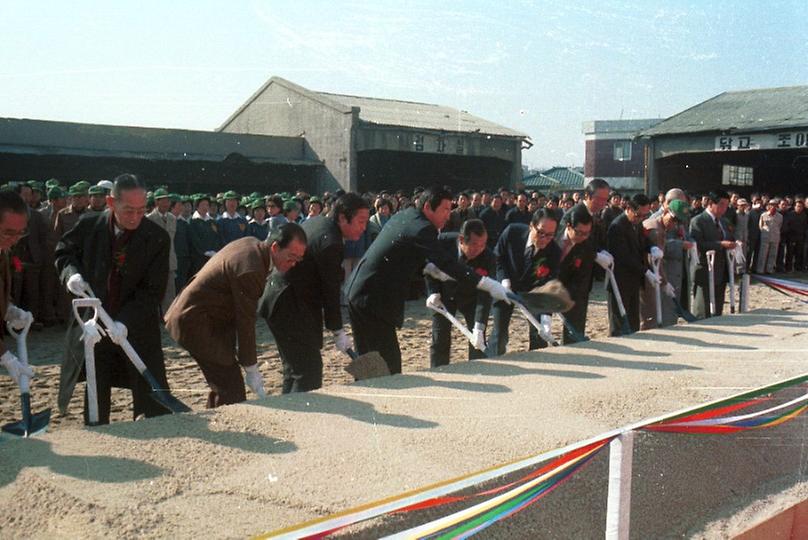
x=208 y=266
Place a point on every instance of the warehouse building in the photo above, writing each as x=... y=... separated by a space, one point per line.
x=372 y=144
x=189 y=161
x=754 y=140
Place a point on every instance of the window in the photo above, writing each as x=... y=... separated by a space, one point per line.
x=734 y=175
x=622 y=151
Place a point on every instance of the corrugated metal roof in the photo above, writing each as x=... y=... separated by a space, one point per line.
x=555 y=178
x=43 y=137
x=749 y=110
x=390 y=112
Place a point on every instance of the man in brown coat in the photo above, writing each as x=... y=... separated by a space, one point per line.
x=216 y=312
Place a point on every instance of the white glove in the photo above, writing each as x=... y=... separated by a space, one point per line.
x=669 y=290
x=434 y=272
x=14 y=367
x=494 y=288
x=18 y=318
x=652 y=278
x=254 y=380
x=342 y=341
x=656 y=253
x=604 y=259
x=507 y=284
x=479 y=336
x=117 y=333
x=77 y=286
x=433 y=301
x=546 y=323
x=210 y=253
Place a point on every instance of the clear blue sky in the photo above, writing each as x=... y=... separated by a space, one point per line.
x=541 y=67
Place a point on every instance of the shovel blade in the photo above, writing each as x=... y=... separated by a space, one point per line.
x=164 y=398
x=368 y=366
x=683 y=313
x=31 y=424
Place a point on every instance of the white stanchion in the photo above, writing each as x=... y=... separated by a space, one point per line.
x=711 y=279
x=744 y=306
x=618 y=506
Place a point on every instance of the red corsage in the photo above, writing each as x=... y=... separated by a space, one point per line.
x=119 y=258
x=16 y=264
x=542 y=271
x=577 y=262
x=481 y=272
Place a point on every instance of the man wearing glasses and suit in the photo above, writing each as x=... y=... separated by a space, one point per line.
x=526 y=258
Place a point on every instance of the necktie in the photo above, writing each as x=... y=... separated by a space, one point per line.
x=720 y=230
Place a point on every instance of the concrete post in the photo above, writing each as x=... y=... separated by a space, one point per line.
x=618 y=506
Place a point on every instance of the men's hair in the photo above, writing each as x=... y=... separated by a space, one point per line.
x=126 y=182
x=715 y=196
x=433 y=195
x=284 y=234
x=594 y=185
x=472 y=226
x=579 y=215
x=637 y=201
x=384 y=202
x=348 y=205
x=540 y=214
x=10 y=201
x=675 y=193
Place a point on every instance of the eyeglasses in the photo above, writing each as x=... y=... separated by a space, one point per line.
x=542 y=234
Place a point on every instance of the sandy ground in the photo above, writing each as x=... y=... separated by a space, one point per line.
x=173 y=476
x=46 y=350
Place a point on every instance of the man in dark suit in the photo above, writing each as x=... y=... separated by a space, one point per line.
x=519 y=213
x=494 y=220
x=575 y=271
x=469 y=248
x=526 y=258
x=596 y=195
x=182 y=243
x=296 y=304
x=379 y=286
x=711 y=233
x=31 y=252
x=123 y=259
x=214 y=317
x=629 y=248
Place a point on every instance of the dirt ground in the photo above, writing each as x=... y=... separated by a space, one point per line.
x=46 y=350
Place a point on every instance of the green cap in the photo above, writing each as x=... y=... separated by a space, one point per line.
x=245 y=201
x=175 y=197
x=259 y=203
x=56 y=193
x=230 y=195
x=78 y=189
x=96 y=190
x=53 y=182
x=85 y=185
x=315 y=199
x=201 y=197
x=679 y=209
x=290 y=205
x=160 y=193
x=256 y=195
x=36 y=186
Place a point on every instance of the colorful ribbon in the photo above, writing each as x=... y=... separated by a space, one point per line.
x=784 y=286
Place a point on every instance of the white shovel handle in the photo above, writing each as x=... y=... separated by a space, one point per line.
x=616 y=292
x=711 y=279
x=441 y=309
x=22 y=353
x=535 y=323
x=657 y=286
x=731 y=269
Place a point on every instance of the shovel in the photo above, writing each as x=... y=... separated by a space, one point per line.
x=520 y=305
x=158 y=394
x=31 y=423
x=657 y=291
x=438 y=307
x=731 y=270
x=626 y=327
x=711 y=277
x=367 y=366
